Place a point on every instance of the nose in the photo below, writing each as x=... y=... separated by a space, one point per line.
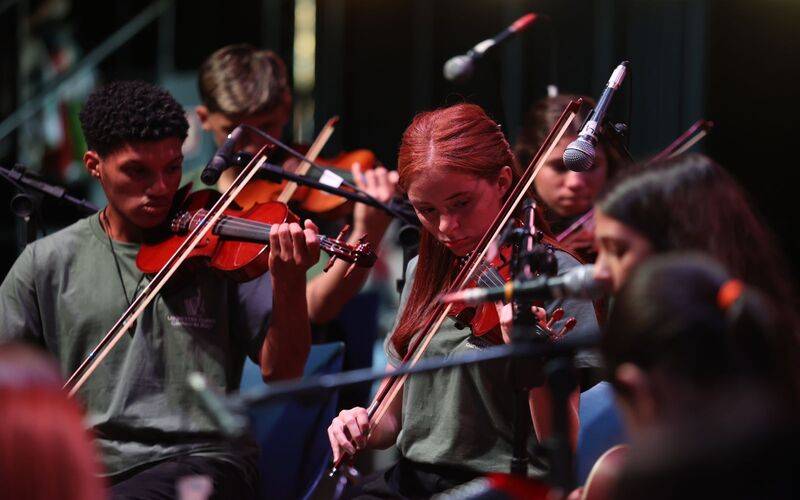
x=161 y=186
x=575 y=181
x=447 y=224
x=601 y=271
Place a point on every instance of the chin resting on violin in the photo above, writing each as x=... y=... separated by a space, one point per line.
x=65 y=290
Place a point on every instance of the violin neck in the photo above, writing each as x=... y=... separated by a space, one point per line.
x=258 y=232
x=239 y=229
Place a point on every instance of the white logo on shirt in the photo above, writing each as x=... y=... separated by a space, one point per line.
x=196 y=316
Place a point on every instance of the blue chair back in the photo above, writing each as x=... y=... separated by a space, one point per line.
x=601 y=428
x=292 y=434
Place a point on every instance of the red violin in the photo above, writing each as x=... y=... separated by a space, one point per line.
x=483 y=319
x=238 y=243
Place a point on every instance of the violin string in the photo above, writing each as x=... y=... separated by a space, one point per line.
x=237 y=223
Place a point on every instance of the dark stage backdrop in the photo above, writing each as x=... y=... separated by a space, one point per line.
x=734 y=62
x=380 y=62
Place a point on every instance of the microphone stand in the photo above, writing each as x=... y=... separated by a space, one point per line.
x=228 y=411
x=553 y=369
x=23 y=205
x=313 y=387
x=528 y=257
x=617 y=136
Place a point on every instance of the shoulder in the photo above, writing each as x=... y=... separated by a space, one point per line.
x=565 y=261
x=62 y=243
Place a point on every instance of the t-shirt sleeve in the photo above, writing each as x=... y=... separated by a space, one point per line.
x=582 y=310
x=252 y=313
x=19 y=305
x=392 y=356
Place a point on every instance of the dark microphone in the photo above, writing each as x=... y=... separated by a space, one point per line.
x=577 y=283
x=221 y=159
x=579 y=155
x=459 y=68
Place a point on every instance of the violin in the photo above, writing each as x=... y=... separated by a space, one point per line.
x=238 y=242
x=305 y=198
x=205 y=229
x=579 y=237
x=484 y=320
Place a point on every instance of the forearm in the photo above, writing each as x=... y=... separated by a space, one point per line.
x=328 y=292
x=288 y=340
x=385 y=433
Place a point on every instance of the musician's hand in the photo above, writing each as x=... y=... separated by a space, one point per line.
x=506 y=313
x=381 y=184
x=293 y=249
x=348 y=432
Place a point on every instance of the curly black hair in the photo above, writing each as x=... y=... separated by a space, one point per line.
x=130 y=111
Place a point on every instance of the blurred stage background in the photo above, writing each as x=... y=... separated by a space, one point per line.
x=375 y=63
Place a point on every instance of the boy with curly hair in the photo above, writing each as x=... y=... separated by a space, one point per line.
x=66 y=290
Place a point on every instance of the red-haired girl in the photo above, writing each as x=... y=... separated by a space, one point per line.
x=450 y=426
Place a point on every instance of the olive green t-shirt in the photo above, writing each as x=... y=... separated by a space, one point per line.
x=463 y=417
x=64 y=293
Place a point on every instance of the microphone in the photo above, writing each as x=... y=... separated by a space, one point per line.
x=228 y=420
x=221 y=159
x=577 y=283
x=579 y=155
x=459 y=69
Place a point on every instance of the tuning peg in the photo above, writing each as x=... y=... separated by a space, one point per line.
x=363 y=247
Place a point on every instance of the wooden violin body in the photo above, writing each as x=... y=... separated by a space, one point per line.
x=238 y=242
x=234 y=249
x=307 y=199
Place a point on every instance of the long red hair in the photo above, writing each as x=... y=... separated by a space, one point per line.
x=459 y=138
x=45 y=450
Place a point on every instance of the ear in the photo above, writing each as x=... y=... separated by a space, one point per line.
x=504 y=180
x=202 y=114
x=638 y=398
x=92 y=162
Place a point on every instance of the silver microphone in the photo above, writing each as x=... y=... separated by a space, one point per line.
x=577 y=283
x=459 y=68
x=579 y=155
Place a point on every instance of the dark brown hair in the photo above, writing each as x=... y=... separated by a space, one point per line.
x=540 y=119
x=240 y=80
x=668 y=319
x=691 y=203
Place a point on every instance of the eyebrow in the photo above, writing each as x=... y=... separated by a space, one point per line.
x=137 y=162
x=456 y=195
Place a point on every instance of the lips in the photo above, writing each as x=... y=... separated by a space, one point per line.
x=155 y=208
x=459 y=246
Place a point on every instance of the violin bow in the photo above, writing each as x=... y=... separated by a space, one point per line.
x=686 y=140
x=391 y=386
x=137 y=307
x=312 y=154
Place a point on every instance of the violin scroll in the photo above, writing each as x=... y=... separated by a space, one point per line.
x=361 y=255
